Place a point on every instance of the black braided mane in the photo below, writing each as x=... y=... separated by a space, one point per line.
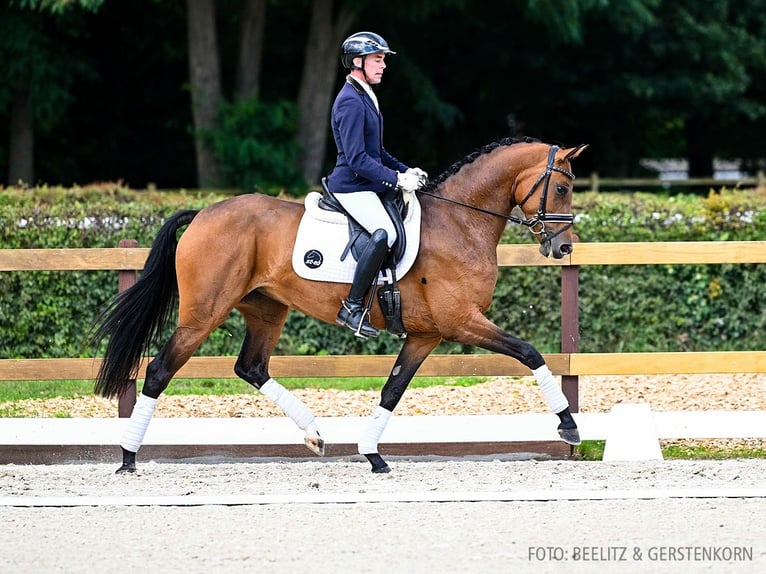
x=455 y=167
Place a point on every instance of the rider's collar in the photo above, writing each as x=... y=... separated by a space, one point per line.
x=357 y=83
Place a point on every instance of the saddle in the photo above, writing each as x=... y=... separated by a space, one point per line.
x=389 y=296
x=358 y=236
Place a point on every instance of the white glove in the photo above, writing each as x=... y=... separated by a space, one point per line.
x=422 y=175
x=407 y=182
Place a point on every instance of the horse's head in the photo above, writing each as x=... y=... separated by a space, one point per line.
x=544 y=193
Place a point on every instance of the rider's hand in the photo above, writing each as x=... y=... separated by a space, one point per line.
x=407 y=182
x=422 y=175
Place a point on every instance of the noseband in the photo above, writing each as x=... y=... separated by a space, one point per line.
x=536 y=223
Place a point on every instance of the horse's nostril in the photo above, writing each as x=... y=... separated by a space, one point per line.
x=566 y=249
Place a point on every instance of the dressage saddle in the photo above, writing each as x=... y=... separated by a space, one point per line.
x=358 y=236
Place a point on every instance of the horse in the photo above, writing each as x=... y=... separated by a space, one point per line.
x=236 y=254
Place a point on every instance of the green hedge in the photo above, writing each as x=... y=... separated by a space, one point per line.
x=622 y=308
x=636 y=308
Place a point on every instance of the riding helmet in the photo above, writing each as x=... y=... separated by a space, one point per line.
x=362 y=44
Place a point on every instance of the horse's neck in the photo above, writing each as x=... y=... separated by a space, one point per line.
x=466 y=218
x=483 y=189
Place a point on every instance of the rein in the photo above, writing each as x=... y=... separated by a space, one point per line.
x=536 y=223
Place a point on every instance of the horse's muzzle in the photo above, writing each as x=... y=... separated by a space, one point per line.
x=556 y=249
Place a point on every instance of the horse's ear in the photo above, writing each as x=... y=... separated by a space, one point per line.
x=575 y=151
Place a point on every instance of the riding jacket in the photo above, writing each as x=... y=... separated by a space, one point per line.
x=363 y=164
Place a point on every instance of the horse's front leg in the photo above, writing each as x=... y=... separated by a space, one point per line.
x=412 y=355
x=481 y=332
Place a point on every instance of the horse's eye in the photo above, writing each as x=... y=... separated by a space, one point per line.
x=562 y=189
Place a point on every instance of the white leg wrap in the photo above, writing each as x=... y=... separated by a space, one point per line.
x=133 y=435
x=557 y=402
x=369 y=441
x=290 y=404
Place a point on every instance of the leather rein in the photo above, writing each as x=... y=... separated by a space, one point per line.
x=536 y=223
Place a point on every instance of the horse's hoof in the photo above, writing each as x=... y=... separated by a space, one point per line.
x=570 y=436
x=131 y=468
x=315 y=444
x=379 y=465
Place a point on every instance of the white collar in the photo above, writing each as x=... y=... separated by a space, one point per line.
x=368 y=90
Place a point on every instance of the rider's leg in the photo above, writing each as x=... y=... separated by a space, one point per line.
x=353 y=313
x=367 y=209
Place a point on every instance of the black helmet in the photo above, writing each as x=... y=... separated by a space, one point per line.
x=361 y=44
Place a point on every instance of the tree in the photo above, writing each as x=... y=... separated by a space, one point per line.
x=634 y=78
x=252 y=25
x=21 y=160
x=205 y=84
x=320 y=68
x=704 y=58
x=675 y=80
x=470 y=72
x=38 y=74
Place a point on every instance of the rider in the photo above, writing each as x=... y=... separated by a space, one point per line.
x=365 y=169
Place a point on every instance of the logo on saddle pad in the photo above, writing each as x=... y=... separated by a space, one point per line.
x=313 y=259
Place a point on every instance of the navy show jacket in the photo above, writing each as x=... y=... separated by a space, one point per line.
x=363 y=164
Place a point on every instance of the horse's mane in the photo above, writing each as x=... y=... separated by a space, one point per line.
x=471 y=157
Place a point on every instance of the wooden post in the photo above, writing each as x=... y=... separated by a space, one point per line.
x=594 y=181
x=570 y=329
x=760 y=179
x=126 y=278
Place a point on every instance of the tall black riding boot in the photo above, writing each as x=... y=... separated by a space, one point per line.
x=352 y=313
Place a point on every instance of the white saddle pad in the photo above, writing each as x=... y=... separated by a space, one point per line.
x=323 y=235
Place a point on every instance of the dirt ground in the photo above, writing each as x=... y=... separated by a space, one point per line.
x=428 y=515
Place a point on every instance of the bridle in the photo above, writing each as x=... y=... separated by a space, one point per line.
x=536 y=223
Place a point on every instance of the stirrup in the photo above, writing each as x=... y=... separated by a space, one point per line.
x=347 y=317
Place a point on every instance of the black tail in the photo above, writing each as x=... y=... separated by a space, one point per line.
x=136 y=317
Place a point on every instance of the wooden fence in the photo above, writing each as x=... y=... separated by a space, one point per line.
x=594 y=182
x=128 y=259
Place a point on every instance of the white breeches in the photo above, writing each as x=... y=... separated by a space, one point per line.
x=368 y=210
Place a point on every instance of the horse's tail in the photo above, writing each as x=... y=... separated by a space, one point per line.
x=137 y=317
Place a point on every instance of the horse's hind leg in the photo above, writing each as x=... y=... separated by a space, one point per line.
x=176 y=352
x=265 y=319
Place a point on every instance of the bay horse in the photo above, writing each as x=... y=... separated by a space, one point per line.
x=236 y=254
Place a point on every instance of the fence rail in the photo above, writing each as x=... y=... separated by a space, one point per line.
x=616 y=253
x=479 y=365
x=594 y=182
x=569 y=364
